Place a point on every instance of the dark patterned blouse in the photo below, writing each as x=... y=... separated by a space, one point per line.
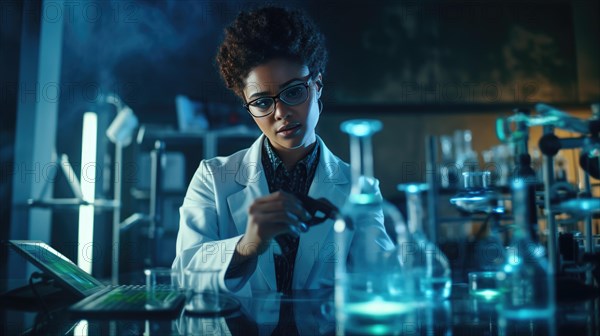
x=296 y=181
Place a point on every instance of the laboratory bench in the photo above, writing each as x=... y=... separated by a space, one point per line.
x=312 y=312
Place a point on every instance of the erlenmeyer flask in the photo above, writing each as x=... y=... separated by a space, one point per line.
x=369 y=294
x=526 y=283
x=418 y=255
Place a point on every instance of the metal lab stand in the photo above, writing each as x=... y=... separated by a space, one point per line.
x=75 y=203
x=161 y=141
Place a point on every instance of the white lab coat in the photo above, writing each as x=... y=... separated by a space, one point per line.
x=215 y=212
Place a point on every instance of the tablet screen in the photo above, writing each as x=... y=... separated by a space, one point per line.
x=57 y=266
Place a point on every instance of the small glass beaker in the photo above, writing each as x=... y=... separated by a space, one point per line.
x=203 y=294
x=162 y=285
x=202 y=291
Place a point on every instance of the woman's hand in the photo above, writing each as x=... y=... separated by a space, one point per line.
x=268 y=217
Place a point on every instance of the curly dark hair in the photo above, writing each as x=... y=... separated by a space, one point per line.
x=258 y=36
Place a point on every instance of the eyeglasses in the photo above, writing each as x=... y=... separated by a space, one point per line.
x=291 y=96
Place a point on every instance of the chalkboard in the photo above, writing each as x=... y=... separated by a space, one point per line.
x=381 y=52
x=398 y=52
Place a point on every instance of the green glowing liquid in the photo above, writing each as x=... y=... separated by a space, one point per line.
x=488 y=294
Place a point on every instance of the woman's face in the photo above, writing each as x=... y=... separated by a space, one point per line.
x=288 y=127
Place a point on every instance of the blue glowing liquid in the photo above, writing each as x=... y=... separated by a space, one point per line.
x=436 y=289
x=377 y=317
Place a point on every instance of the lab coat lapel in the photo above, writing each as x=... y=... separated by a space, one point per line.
x=250 y=174
x=317 y=246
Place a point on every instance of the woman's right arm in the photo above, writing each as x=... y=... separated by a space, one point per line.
x=199 y=243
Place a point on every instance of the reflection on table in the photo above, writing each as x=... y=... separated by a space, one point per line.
x=313 y=313
x=268 y=313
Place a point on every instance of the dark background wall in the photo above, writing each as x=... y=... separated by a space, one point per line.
x=388 y=52
x=416 y=63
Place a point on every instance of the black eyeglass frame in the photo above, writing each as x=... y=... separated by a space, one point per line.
x=277 y=97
